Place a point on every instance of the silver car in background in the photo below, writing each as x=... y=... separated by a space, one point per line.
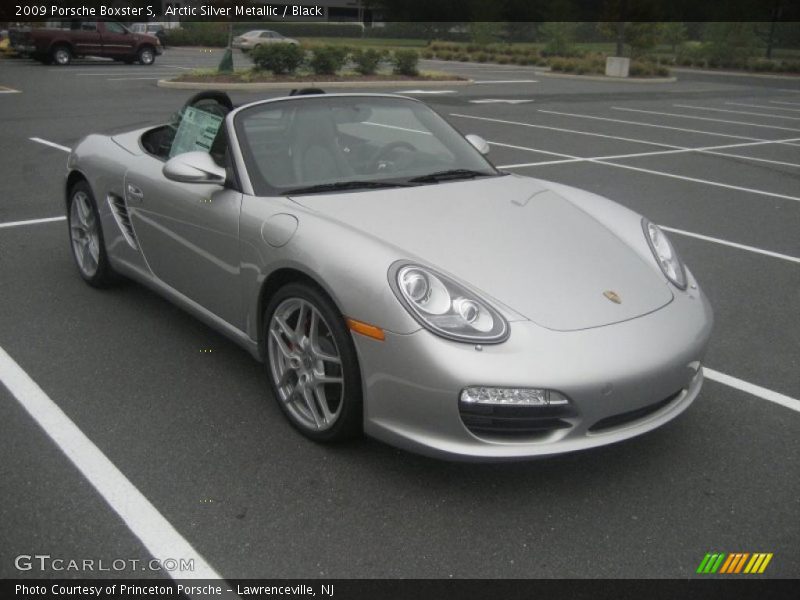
x=259 y=37
x=391 y=279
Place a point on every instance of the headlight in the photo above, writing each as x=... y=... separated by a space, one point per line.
x=665 y=254
x=446 y=307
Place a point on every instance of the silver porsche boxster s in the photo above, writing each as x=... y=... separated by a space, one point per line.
x=391 y=279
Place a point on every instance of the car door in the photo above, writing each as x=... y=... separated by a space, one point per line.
x=117 y=41
x=86 y=38
x=188 y=232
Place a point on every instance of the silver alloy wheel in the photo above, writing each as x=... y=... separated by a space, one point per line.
x=146 y=57
x=62 y=56
x=83 y=234
x=305 y=364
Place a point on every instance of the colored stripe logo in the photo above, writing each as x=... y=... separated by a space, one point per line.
x=734 y=563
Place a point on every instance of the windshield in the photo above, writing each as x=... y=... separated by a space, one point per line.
x=318 y=144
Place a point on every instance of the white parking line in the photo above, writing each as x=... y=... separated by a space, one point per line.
x=31 y=222
x=569 y=157
x=732 y=244
x=654 y=172
x=131 y=72
x=157 y=534
x=427 y=92
x=590 y=133
x=750 y=388
x=51 y=144
x=664 y=114
x=657 y=126
x=713 y=150
x=507 y=81
x=762 y=106
x=736 y=112
x=397 y=127
x=499 y=101
x=786 y=103
x=133 y=78
x=738 y=188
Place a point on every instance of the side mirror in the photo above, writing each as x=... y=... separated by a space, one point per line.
x=481 y=145
x=194 y=167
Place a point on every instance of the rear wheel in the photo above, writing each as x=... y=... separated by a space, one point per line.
x=86 y=237
x=61 y=55
x=312 y=364
x=147 y=56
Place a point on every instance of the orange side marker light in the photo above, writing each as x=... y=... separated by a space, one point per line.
x=366 y=329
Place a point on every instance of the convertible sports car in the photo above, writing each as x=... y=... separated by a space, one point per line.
x=391 y=279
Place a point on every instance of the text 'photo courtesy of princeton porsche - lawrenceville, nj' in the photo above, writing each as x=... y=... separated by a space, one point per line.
x=399 y=299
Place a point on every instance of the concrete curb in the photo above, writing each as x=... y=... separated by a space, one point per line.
x=722 y=73
x=610 y=79
x=288 y=85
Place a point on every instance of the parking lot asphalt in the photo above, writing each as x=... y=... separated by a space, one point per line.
x=199 y=436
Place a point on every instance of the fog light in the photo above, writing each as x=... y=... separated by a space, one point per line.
x=512 y=396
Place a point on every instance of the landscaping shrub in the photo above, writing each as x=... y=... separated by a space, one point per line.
x=327 y=60
x=278 y=58
x=367 y=61
x=762 y=65
x=481 y=57
x=428 y=54
x=405 y=62
x=589 y=65
x=198 y=34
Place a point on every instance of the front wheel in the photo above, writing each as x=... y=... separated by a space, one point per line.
x=61 y=56
x=312 y=364
x=86 y=237
x=147 y=56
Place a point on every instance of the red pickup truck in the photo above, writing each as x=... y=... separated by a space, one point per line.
x=60 y=41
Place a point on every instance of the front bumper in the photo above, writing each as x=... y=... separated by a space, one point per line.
x=622 y=380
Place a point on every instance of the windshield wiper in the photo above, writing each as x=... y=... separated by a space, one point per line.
x=449 y=174
x=345 y=185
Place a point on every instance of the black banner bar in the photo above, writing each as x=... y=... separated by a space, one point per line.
x=711 y=588
x=434 y=11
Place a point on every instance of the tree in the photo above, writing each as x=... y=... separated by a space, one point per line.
x=729 y=43
x=674 y=34
x=558 y=37
x=642 y=37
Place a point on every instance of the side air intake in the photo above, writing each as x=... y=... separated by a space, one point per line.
x=120 y=212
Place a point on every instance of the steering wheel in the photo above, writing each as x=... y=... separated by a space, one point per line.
x=381 y=156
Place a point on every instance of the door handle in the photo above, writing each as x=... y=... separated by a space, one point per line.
x=134 y=193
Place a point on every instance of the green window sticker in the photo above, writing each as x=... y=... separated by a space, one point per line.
x=196 y=131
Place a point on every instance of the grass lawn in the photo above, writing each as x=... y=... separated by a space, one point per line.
x=364 y=42
x=304 y=76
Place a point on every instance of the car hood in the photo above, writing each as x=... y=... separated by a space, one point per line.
x=513 y=239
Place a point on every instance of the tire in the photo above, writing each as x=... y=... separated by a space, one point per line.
x=329 y=410
x=146 y=56
x=61 y=55
x=86 y=237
